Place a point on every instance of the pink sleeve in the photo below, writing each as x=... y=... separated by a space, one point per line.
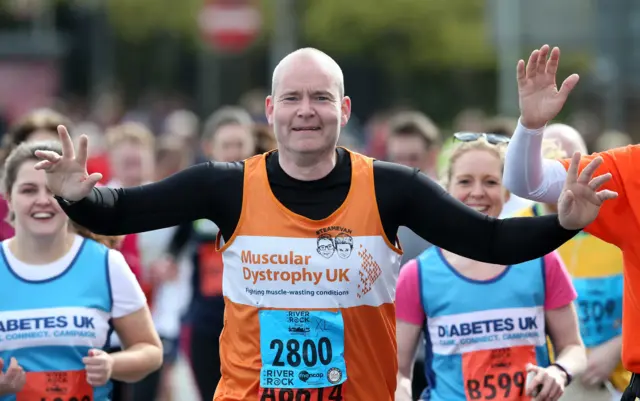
x=558 y=286
x=408 y=305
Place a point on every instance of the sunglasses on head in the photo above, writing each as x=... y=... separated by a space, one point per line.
x=493 y=139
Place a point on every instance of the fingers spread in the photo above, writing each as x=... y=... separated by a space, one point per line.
x=599 y=181
x=552 y=64
x=83 y=149
x=520 y=73
x=542 y=60
x=572 y=171
x=43 y=165
x=48 y=155
x=606 y=195
x=568 y=85
x=589 y=170
x=532 y=64
x=67 y=143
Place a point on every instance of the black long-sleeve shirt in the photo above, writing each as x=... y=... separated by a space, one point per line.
x=405 y=197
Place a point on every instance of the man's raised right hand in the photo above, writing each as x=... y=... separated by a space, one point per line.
x=67 y=174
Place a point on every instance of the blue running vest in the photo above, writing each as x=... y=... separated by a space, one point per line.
x=50 y=325
x=481 y=334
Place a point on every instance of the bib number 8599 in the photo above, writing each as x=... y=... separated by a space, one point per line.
x=491 y=384
x=308 y=352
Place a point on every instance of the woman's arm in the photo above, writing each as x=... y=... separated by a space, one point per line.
x=602 y=361
x=408 y=336
x=410 y=321
x=142 y=353
x=142 y=349
x=565 y=335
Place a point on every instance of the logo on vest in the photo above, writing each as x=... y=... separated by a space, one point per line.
x=341 y=244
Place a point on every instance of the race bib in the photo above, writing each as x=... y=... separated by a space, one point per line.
x=335 y=393
x=56 y=386
x=497 y=374
x=211 y=267
x=302 y=355
x=599 y=307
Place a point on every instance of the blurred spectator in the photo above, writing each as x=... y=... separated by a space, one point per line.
x=253 y=102
x=612 y=139
x=265 y=139
x=40 y=124
x=501 y=125
x=131 y=154
x=470 y=120
x=172 y=156
x=414 y=141
x=98 y=157
x=377 y=132
x=226 y=132
x=184 y=124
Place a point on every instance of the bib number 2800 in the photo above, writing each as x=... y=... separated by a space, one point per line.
x=309 y=352
x=301 y=394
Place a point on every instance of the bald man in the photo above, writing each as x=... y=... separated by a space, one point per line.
x=308 y=239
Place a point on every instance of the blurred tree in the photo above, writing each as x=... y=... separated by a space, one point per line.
x=140 y=20
x=402 y=34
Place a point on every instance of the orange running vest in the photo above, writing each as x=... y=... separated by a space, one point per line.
x=310 y=311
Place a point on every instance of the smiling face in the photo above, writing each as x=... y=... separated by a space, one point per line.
x=307 y=107
x=476 y=180
x=36 y=212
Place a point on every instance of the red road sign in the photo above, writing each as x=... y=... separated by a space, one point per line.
x=230 y=25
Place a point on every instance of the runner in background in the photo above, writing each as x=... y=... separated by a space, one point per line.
x=62 y=295
x=528 y=175
x=40 y=124
x=596 y=268
x=414 y=141
x=132 y=163
x=229 y=138
x=264 y=138
x=334 y=211
x=172 y=287
x=485 y=324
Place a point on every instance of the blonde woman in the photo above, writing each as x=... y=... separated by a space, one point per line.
x=62 y=294
x=486 y=324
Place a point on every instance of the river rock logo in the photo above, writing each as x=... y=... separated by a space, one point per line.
x=334 y=375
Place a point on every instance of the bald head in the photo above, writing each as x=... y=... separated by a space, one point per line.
x=566 y=137
x=308 y=58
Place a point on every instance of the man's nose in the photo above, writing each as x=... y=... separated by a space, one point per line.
x=306 y=108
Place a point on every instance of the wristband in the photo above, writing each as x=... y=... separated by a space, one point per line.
x=569 y=377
